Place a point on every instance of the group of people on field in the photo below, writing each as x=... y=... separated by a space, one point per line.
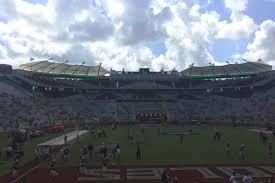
x=246 y=179
x=100 y=153
x=234 y=178
x=243 y=148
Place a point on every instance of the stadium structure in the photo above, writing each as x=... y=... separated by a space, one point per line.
x=146 y=96
x=190 y=116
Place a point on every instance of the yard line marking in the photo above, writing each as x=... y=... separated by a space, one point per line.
x=206 y=173
x=26 y=173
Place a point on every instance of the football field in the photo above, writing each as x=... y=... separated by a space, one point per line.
x=162 y=145
x=190 y=152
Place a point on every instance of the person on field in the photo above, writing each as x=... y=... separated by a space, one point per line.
x=53 y=171
x=227 y=148
x=217 y=134
x=114 y=150
x=270 y=150
x=15 y=168
x=247 y=178
x=118 y=154
x=138 y=153
x=242 y=151
x=165 y=176
x=83 y=151
x=83 y=165
x=175 y=179
x=91 y=150
x=265 y=138
x=66 y=153
x=104 y=164
x=104 y=152
x=65 y=139
x=9 y=152
x=233 y=178
x=37 y=153
x=181 y=139
x=97 y=151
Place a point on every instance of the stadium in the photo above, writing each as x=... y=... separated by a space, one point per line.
x=80 y=123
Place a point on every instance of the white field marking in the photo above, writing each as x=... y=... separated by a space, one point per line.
x=26 y=173
x=95 y=171
x=269 y=168
x=257 y=130
x=139 y=169
x=60 y=140
x=99 y=178
x=97 y=175
x=253 y=171
x=206 y=172
x=144 y=173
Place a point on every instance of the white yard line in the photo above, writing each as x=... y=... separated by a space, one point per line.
x=259 y=130
x=60 y=140
x=26 y=173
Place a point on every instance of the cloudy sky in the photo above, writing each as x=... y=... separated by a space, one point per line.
x=137 y=33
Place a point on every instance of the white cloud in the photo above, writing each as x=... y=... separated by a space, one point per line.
x=3 y=52
x=113 y=32
x=116 y=32
x=263 y=45
x=189 y=35
x=138 y=22
x=241 y=25
x=236 y=5
x=162 y=62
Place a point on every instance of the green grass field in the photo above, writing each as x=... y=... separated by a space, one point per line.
x=5 y=166
x=161 y=149
x=167 y=149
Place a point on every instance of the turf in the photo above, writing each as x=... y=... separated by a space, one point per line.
x=167 y=149
x=5 y=166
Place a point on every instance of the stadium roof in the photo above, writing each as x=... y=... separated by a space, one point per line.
x=62 y=69
x=230 y=70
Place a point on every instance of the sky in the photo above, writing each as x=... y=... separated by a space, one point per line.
x=131 y=34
